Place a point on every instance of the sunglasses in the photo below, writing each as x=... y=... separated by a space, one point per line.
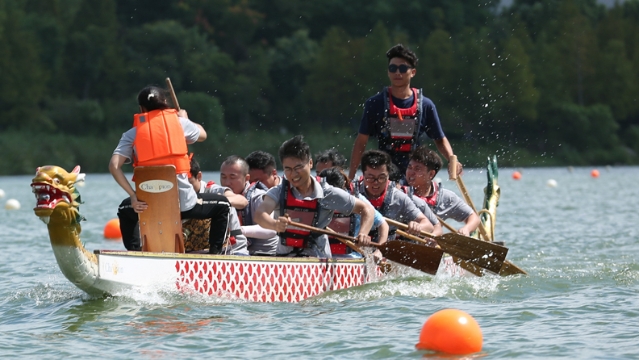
x=403 y=68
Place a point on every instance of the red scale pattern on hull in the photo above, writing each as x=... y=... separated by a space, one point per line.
x=266 y=281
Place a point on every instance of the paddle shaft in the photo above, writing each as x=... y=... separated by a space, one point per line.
x=326 y=232
x=469 y=201
x=173 y=96
x=415 y=238
x=452 y=164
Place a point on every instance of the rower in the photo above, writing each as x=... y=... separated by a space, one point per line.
x=234 y=175
x=327 y=159
x=262 y=168
x=159 y=136
x=423 y=166
x=198 y=230
x=303 y=199
x=349 y=225
x=387 y=199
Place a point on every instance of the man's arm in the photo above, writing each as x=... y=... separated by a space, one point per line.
x=183 y=114
x=367 y=213
x=472 y=222
x=421 y=223
x=263 y=216
x=447 y=151
x=356 y=155
x=236 y=200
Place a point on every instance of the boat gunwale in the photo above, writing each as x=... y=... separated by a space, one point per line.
x=241 y=258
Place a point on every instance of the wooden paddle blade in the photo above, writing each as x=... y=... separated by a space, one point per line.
x=481 y=253
x=423 y=258
x=511 y=269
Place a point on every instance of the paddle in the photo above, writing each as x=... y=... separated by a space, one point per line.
x=481 y=253
x=173 y=96
x=508 y=268
x=418 y=257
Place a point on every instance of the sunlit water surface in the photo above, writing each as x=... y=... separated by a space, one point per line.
x=579 y=242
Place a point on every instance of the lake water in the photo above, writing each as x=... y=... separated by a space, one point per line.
x=579 y=242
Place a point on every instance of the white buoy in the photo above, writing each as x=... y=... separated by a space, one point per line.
x=551 y=183
x=12 y=204
x=1 y=193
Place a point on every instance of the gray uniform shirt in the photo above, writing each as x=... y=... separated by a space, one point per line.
x=400 y=207
x=449 y=206
x=187 y=194
x=330 y=199
x=260 y=246
x=240 y=247
x=425 y=209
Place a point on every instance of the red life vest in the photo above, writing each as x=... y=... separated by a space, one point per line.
x=380 y=204
x=401 y=125
x=343 y=224
x=301 y=211
x=431 y=200
x=159 y=140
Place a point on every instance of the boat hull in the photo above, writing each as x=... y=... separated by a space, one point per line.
x=251 y=278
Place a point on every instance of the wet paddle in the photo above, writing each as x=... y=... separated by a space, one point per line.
x=423 y=258
x=481 y=253
x=508 y=268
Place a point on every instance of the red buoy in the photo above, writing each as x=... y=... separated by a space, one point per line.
x=112 y=230
x=451 y=331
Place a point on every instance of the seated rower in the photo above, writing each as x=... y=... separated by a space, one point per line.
x=235 y=237
x=137 y=145
x=387 y=199
x=302 y=198
x=422 y=168
x=262 y=168
x=234 y=174
x=336 y=177
x=327 y=159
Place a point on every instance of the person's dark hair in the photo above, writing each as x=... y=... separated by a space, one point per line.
x=423 y=155
x=336 y=177
x=295 y=148
x=261 y=160
x=394 y=174
x=400 y=51
x=237 y=159
x=153 y=98
x=331 y=155
x=375 y=159
x=195 y=166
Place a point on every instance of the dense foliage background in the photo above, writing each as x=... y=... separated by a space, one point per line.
x=538 y=83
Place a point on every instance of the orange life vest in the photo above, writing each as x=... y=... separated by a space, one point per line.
x=159 y=140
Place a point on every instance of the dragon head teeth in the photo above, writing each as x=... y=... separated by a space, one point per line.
x=45 y=219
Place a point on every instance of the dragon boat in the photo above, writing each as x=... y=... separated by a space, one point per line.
x=251 y=278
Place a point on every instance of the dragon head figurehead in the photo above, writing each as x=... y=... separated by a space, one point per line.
x=55 y=191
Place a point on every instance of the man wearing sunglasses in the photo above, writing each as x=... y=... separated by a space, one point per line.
x=399 y=115
x=390 y=201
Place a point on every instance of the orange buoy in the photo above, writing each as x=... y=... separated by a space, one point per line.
x=451 y=331
x=516 y=175
x=594 y=173
x=112 y=230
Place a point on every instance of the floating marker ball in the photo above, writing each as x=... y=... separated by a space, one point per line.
x=551 y=183
x=12 y=204
x=516 y=175
x=1 y=193
x=451 y=331
x=112 y=230
x=594 y=173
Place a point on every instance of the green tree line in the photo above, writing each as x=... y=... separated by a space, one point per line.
x=538 y=83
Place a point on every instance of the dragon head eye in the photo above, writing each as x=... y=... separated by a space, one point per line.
x=56 y=180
